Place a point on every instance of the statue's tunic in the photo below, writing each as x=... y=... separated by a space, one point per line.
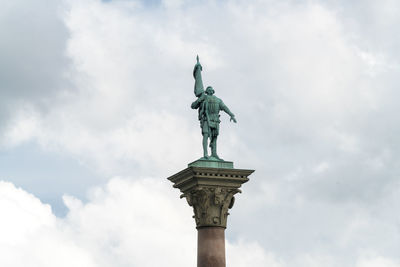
x=209 y=107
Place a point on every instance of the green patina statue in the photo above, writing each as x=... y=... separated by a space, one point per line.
x=209 y=106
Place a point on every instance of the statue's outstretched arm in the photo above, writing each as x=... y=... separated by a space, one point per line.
x=226 y=109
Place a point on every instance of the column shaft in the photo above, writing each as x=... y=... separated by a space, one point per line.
x=211 y=247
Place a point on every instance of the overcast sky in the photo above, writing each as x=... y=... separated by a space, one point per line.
x=95 y=115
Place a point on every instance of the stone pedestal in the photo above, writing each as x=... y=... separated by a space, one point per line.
x=209 y=187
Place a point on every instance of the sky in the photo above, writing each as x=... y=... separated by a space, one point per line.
x=95 y=115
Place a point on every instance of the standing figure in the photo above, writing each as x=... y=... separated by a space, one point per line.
x=209 y=106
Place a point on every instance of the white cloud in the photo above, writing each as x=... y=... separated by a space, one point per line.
x=127 y=223
x=30 y=235
x=124 y=223
x=21 y=128
x=377 y=261
x=314 y=87
x=242 y=254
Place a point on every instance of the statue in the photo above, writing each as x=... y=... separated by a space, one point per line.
x=209 y=106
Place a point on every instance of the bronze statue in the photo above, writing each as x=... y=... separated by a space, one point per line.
x=209 y=106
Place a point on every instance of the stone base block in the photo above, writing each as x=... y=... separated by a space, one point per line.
x=206 y=163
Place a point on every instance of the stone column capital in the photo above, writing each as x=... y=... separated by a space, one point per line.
x=210 y=191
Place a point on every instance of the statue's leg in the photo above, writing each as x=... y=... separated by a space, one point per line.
x=205 y=140
x=214 y=147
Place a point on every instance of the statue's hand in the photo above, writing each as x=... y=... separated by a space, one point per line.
x=233 y=119
x=198 y=65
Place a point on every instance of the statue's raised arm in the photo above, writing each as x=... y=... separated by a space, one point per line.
x=198 y=82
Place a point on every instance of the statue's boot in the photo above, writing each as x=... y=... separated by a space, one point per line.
x=214 y=155
x=214 y=149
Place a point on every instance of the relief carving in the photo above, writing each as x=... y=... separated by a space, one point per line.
x=210 y=204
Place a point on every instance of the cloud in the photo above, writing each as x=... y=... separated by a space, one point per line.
x=125 y=223
x=30 y=235
x=33 y=65
x=314 y=89
x=244 y=253
x=377 y=261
